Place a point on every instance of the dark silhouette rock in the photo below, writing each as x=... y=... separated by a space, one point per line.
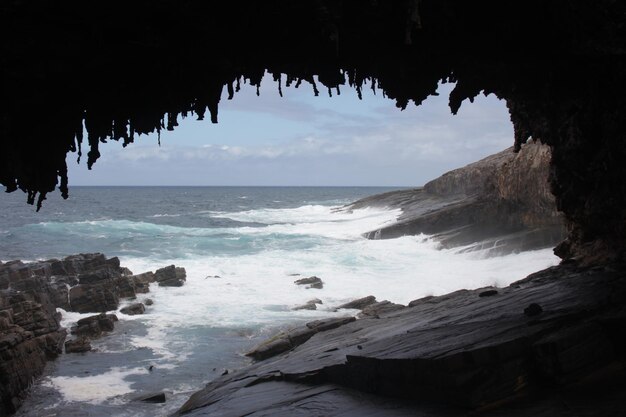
x=533 y=309
x=170 y=276
x=488 y=293
x=153 y=397
x=133 y=309
x=148 y=301
x=310 y=282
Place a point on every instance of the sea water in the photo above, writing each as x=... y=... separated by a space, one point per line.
x=242 y=248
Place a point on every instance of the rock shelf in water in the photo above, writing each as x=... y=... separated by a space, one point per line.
x=447 y=355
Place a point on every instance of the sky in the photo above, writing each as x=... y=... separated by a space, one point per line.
x=303 y=140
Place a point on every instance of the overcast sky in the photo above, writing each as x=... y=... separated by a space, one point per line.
x=301 y=139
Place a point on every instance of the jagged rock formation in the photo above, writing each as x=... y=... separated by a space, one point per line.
x=120 y=69
x=30 y=333
x=500 y=204
x=452 y=354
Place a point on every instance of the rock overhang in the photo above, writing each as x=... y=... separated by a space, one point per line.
x=118 y=69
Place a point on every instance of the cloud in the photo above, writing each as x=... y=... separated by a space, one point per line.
x=346 y=142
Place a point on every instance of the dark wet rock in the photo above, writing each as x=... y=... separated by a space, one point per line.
x=359 y=303
x=422 y=300
x=125 y=271
x=94 y=326
x=310 y=282
x=533 y=309
x=142 y=281
x=148 y=301
x=500 y=204
x=171 y=276
x=93 y=298
x=133 y=309
x=29 y=323
x=454 y=353
x=309 y=305
x=378 y=308
x=488 y=293
x=287 y=340
x=30 y=335
x=153 y=397
x=80 y=345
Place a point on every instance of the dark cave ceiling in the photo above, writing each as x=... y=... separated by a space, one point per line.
x=118 y=69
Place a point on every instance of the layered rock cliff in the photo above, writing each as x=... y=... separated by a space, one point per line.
x=500 y=204
x=30 y=293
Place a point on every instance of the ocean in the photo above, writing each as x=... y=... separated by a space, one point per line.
x=242 y=248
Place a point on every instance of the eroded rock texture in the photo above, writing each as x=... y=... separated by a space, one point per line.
x=458 y=354
x=118 y=69
x=500 y=204
x=30 y=293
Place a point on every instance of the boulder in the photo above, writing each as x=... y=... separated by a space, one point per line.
x=133 y=309
x=171 y=276
x=153 y=397
x=148 y=301
x=311 y=282
x=358 y=304
x=93 y=298
x=79 y=345
x=94 y=326
x=142 y=282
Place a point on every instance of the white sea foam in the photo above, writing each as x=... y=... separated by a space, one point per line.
x=257 y=289
x=95 y=389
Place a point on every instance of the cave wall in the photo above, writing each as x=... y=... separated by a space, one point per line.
x=118 y=69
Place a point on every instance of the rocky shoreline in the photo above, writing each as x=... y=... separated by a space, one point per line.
x=500 y=204
x=30 y=293
x=550 y=344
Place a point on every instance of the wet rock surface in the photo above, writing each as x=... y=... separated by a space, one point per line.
x=289 y=339
x=500 y=204
x=170 y=276
x=447 y=355
x=133 y=309
x=30 y=293
x=310 y=282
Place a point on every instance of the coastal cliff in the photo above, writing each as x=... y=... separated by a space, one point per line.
x=500 y=204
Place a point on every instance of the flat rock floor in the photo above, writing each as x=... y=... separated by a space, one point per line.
x=552 y=344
